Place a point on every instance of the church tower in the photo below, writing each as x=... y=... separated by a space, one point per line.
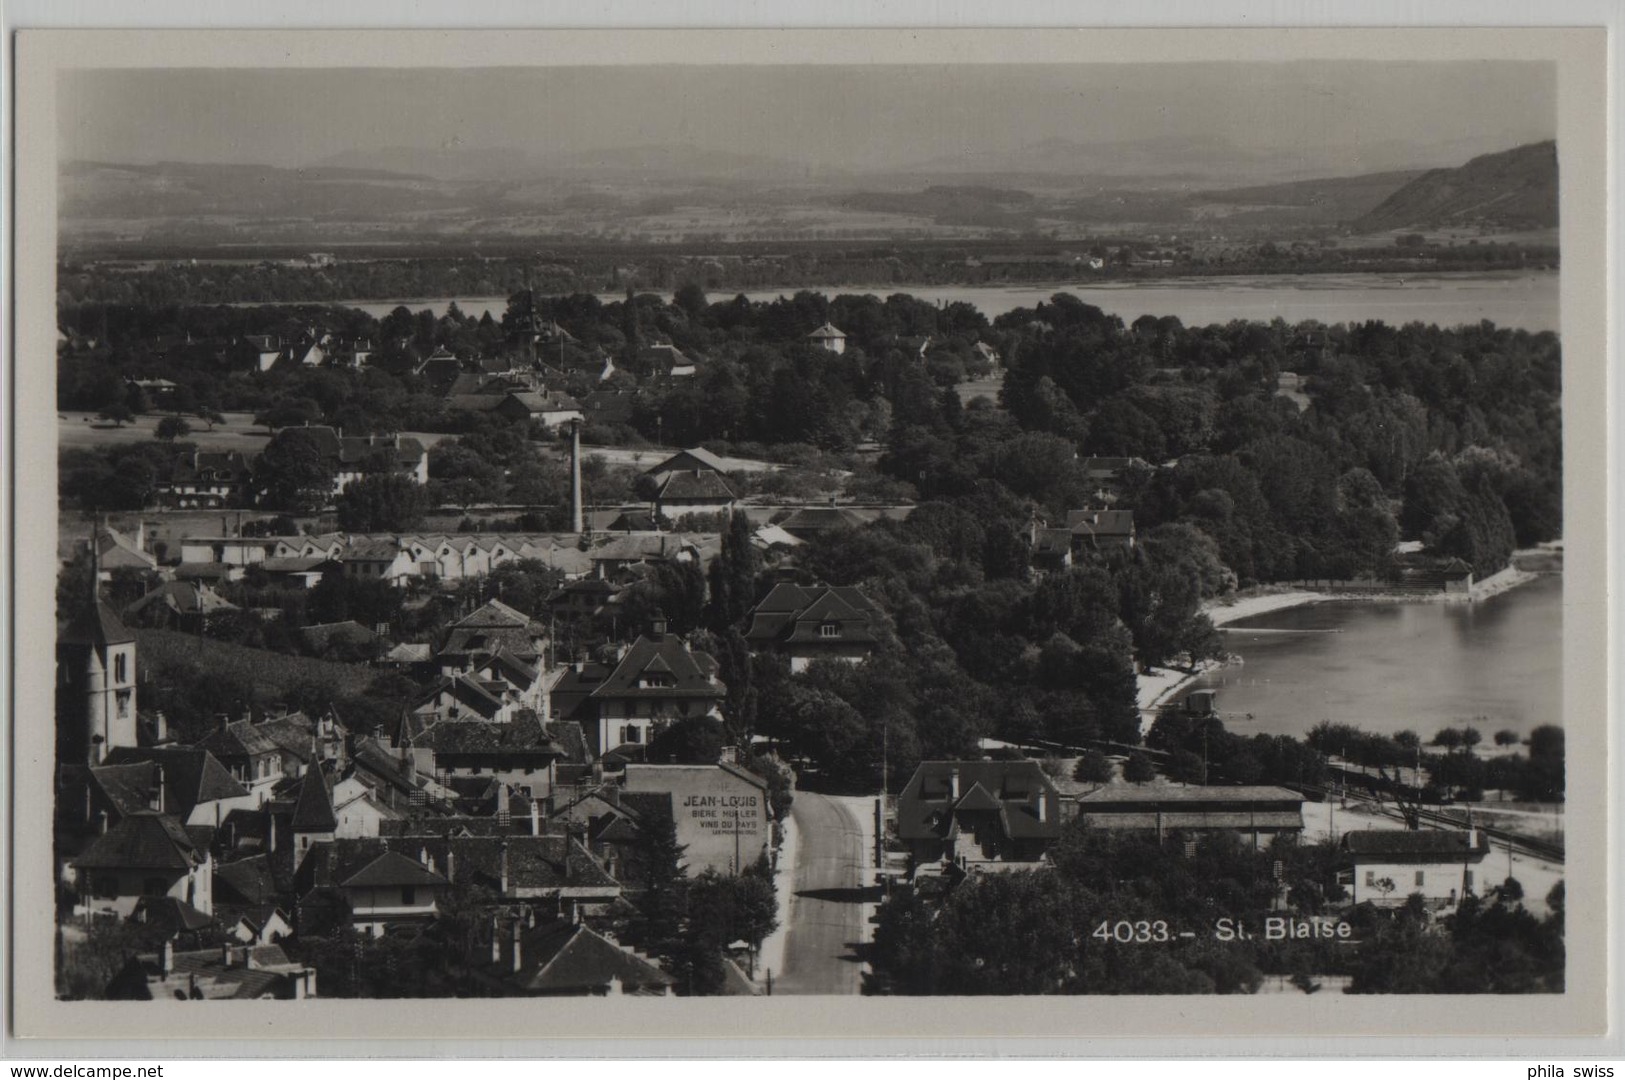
x=95 y=680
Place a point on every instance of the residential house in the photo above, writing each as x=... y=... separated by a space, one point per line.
x=147 y=854
x=829 y=338
x=379 y=560
x=521 y=751
x=978 y=812
x=1049 y=549
x=382 y=888
x=658 y=680
x=305 y=571
x=179 y=605
x=1100 y=530
x=207 y=480
x=812 y=622
x=118 y=551
x=812 y=521
x=550 y=407
x=492 y=627
x=1386 y=867
x=1107 y=473
x=562 y=958
x=227 y=972
x=347 y=640
x=694 y=459
x=701 y=491
x=187 y=783
x=249 y=753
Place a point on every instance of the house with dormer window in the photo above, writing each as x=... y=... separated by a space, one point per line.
x=978 y=812
x=657 y=681
x=814 y=622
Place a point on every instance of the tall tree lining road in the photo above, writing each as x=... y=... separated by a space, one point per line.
x=826 y=912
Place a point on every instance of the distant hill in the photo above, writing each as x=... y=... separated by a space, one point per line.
x=1513 y=189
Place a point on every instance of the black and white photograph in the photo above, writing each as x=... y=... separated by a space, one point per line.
x=769 y=525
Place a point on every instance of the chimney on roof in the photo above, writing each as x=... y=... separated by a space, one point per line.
x=225 y=954
x=248 y=958
x=518 y=959
x=1043 y=806
x=157 y=801
x=953 y=783
x=166 y=958
x=496 y=942
x=502 y=867
x=535 y=817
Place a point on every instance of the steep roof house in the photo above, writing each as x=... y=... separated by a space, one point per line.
x=147 y=854
x=696 y=492
x=978 y=812
x=657 y=680
x=807 y=623
x=1101 y=529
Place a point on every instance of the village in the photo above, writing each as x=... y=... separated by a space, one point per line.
x=474 y=708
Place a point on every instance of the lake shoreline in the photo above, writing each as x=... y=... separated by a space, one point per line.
x=1158 y=686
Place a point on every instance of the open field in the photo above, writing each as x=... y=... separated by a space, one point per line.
x=80 y=430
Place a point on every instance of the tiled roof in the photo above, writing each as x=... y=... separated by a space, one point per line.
x=688 y=672
x=248 y=881
x=565 y=958
x=699 y=484
x=142 y=841
x=695 y=457
x=815 y=518
x=523 y=735
x=239 y=738
x=96 y=624
x=392 y=868
x=1141 y=794
x=323 y=636
x=494 y=613
x=827 y=332
x=183 y=597
x=170 y=914
x=191 y=776
x=926 y=806
x=1429 y=843
x=795 y=612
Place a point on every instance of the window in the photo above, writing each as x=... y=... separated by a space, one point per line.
x=631 y=734
x=409 y=894
x=1371 y=879
x=121 y=670
x=1469 y=880
x=123 y=697
x=829 y=629
x=1419 y=879
x=105 y=886
x=154 y=886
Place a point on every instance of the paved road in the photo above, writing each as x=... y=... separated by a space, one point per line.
x=826 y=913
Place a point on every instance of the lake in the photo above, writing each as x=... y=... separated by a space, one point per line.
x=1386 y=666
x=1528 y=301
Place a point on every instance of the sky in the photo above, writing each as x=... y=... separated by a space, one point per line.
x=857 y=117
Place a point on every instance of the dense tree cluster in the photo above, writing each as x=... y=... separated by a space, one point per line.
x=1076 y=928
x=1450 y=436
